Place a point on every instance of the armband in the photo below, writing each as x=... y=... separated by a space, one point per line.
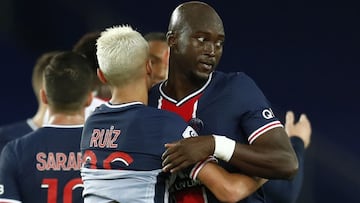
x=224 y=147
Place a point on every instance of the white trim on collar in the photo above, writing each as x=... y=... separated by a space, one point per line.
x=178 y=103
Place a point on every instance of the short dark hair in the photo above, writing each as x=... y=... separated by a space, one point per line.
x=37 y=74
x=68 y=79
x=155 y=36
x=86 y=46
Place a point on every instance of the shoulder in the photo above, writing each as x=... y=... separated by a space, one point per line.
x=232 y=77
x=15 y=146
x=32 y=139
x=162 y=118
x=232 y=83
x=163 y=114
x=15 y=130
x=24 y=140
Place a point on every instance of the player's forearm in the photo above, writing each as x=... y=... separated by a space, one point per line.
x=270 y=156
x=241 y=186
x=228 y=187
x=274 y=163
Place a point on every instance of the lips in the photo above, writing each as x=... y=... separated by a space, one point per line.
x=206 y=66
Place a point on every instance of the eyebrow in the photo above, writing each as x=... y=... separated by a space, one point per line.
x=207 y=33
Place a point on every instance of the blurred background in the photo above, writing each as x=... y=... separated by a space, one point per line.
x=304 y=55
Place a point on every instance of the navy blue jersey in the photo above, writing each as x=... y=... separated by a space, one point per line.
x=122 y=147
x=14 y=130
x=43 y=166
x=228 y=104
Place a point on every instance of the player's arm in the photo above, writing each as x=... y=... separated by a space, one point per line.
x=300 y=138
x=270 y=156
x=277 y=141
x=227 y=187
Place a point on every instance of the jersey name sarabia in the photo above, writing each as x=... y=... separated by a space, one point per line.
x=228 y=104
x=122 y=147
x=43 y=166
x=14 y=130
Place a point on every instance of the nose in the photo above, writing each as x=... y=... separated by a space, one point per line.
x=210 y=48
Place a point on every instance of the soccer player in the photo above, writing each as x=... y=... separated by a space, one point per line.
x=123 y=140
x=300 y=136
x=43 y=166
x=86 y=46
x=14 y=130
x=159 y=55
x=251 y=139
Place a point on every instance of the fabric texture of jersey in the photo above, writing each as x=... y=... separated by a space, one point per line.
x=229 y=104
x=43 y=166
x=122 y=147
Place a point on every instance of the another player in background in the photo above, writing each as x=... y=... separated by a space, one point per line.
x=159 y=55
x=43 y=166
x=123 y=140
x=14 y=130
x=251 y=139
x=86 y=46
x=300 y=136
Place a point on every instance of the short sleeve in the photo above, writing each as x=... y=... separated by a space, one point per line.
x=258 y=117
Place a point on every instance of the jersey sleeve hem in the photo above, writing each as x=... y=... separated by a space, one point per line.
x=263 y=129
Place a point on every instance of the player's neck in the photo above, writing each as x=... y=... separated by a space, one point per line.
x=103 y=92
x=77 y=118
x=38 y=118
x=180 y=87
x=135 y=92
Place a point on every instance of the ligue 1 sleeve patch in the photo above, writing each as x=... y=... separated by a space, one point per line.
x=189 y=132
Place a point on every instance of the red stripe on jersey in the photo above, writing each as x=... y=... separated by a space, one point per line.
x=187 y=110
x=191 y=195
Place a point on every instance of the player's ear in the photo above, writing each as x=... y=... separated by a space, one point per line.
x=171 y=38
x=148 y=67
x=43 y=96
x=101 y=76
x=89 y=99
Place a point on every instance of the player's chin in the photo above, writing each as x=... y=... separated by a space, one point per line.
x=202 y=76
x=204 y=72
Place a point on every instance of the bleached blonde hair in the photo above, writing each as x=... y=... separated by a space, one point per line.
x=122 y=54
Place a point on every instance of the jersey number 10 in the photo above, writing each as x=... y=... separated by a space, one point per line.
x=52 y=185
